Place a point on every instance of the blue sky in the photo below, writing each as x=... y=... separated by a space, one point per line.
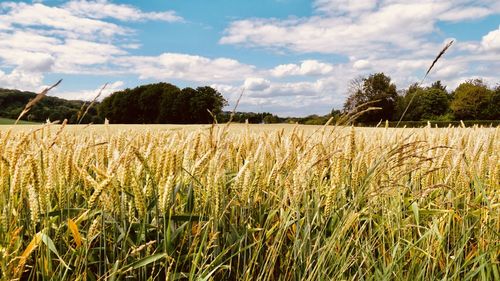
x=291 y=57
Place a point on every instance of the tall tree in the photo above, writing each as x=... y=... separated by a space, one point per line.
x=162 y=103
x=470 y=100
x=378 y=89
x=426 y=103
x=492 y=110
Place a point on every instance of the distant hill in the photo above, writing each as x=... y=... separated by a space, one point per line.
x=12 y=103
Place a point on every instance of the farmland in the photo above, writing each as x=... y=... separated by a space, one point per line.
x=249 y=202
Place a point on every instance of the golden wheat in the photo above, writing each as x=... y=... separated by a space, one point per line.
x=248 y=202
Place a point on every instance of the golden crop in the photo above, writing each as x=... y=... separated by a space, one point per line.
x=249 y=203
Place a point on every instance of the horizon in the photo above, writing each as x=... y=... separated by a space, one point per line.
x=292 y=57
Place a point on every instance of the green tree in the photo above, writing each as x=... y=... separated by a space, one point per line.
x=169 y=95
x=470 y=100
x=426 y=103
x=378 y=89
x=162 y=103
x=438 y=85
x=207 y=99
x=13 y=101
x=492 y=110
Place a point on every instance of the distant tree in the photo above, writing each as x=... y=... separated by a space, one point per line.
x=148 y=101
x=335 y=112
x=492 y=110
x=314 y=120
x=470 y=100
x=162 y=103
x=206 y=99
x=438 y=85
x=53 y=108
x=170 y=94
x=376 y=88
x=426 y=103
x=270 y=118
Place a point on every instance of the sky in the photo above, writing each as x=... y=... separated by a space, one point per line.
x=288 y=57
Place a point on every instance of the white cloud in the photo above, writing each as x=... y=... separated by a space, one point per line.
x=344 y=27
x=37 y=62
x=307 y=67
x=462 y=13
x=88 y=95
x=185 y=67
x=100 y=9
x=449 y=70
x=59 y=20
x=361 y=64
x=337 y=7
x=73 y=38
x=286 y=98
x=20 y=80
x=256 y=84
x=36 y=53
x=491 y=41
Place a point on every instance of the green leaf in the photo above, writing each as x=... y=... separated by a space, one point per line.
x=147 y=260
x=50 y=244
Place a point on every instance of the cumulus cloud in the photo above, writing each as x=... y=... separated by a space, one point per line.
x=256 y=84
x=337 y=7
x=344 y=27
x=491 y=41
x=17 y=79
x=185 y=67
x=286 y=98
x=58 y=20
x=307 y=67
x=100 y=9
x=37 y=38
x=361 y=64
x=88 y=95
x=463 y=13
x=37 y=62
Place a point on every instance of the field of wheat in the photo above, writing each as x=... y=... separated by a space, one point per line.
x=249 y=203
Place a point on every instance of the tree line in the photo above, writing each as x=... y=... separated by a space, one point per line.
x=162 y=103
x=12 y=103
x=471 y=100
x=168 y=104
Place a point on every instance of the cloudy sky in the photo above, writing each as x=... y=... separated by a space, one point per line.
x=292 y=57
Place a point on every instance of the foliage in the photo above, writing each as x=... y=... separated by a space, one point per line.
x=12 y=103
x=378 y=90
x=441 y=122
x=162 y=103
x=251 y=117
x=426 y=103
x=471 y=100
x=332 y=203
x=492 y=110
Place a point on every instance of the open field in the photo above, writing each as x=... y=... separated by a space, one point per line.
x=273 y=202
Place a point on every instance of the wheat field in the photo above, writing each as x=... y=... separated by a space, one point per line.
x=243 y=202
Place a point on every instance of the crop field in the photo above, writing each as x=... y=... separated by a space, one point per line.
x=241 y=202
